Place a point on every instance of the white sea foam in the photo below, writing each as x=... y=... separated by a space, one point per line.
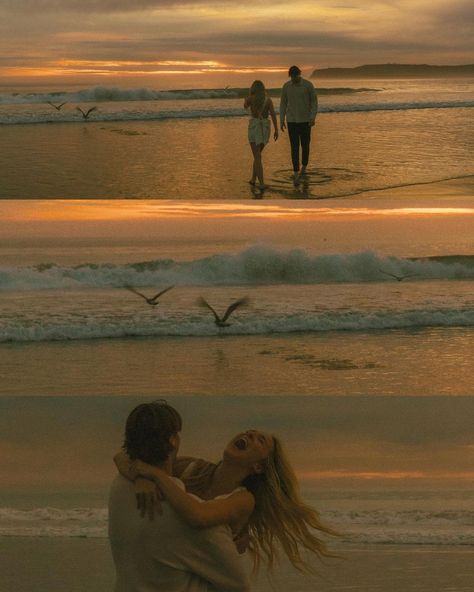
x=94 y=316
x=144 y=113
x=79 y=327
x=257 y=265
x=114 y=94
x=450 y=527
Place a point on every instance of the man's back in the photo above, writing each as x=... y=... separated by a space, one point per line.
x=298 y=101
x=165 y=554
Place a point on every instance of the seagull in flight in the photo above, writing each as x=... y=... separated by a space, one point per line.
x=87 y=113
x=57 y=107
x=399 y=278
x=221 y=321
x=151 y=301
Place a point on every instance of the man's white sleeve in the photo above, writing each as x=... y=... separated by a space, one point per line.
x=283 y=104
x=313 y=102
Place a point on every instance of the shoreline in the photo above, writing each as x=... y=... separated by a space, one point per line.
x=437 y=191
x=445 y=189
x=87 y=564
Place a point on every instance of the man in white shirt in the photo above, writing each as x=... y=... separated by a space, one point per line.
x=164 y=554
x=299 y=107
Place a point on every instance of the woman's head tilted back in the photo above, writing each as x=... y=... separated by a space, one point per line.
x=149 y=430
x=280 y=515
x=280 y=518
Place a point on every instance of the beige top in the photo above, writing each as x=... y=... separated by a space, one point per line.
x=298 y=102
x=167 y=555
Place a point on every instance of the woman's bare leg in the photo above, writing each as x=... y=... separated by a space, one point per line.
x=254 y=174
x=257 y=162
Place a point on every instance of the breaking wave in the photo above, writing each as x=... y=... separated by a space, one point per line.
x=112 y=94
x=258 y=265
x=144 y=104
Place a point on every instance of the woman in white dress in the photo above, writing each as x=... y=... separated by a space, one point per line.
x=254 y=490
x=261 y=107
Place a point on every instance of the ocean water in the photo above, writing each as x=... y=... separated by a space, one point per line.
x=288 y=292
x=151 y=144
x=328 y=323
x=371 y=518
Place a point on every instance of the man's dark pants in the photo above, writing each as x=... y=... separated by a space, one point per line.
x=300 y=133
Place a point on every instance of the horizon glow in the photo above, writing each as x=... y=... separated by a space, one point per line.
x=152 y=39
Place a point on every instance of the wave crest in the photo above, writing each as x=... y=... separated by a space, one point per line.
x=258 y=265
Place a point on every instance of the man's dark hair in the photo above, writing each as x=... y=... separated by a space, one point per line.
x=148 y=431
x=294 y=71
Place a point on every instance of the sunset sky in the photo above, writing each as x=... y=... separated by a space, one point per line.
x=159 y=42
x=363 y=441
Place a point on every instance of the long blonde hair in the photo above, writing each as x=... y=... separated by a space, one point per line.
x=280 y=517
x=258 y=96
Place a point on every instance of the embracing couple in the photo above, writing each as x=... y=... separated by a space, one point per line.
x=210 y=514
x=298 y=110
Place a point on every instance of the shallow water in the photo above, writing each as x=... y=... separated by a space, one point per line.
x=210 y=159
x=396 y=362
x=398 y=133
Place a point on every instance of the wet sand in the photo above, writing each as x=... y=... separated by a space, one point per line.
x=334 y=363
x=75 y=565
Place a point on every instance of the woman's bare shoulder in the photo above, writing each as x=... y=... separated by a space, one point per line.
x=181 y=464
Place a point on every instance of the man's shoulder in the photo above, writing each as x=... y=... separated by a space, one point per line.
x=307 y=82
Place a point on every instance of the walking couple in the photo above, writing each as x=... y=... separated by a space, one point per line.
x=298 y=110
x=211 y=514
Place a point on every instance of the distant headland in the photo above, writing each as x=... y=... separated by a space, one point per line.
x=396 y=71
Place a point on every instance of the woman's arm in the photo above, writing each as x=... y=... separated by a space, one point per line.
x=124 y=464
x=271 y=110
x=247 y=102
x=146 y=493
x=235 y=508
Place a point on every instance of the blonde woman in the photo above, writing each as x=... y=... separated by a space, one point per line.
x=260 y=106
x=253 y=489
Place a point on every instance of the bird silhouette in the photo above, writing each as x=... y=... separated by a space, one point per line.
x=57 y=107
x=153 y=301
x=218 y=320
x=399 y=278
x=87 y=113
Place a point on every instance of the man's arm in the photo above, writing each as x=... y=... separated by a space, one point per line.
x=313 y=103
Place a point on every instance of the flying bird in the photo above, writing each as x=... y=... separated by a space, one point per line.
x=87 y=113
x=57 y=107
x=152 y=301
x=221 y=321
x=399 y=278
